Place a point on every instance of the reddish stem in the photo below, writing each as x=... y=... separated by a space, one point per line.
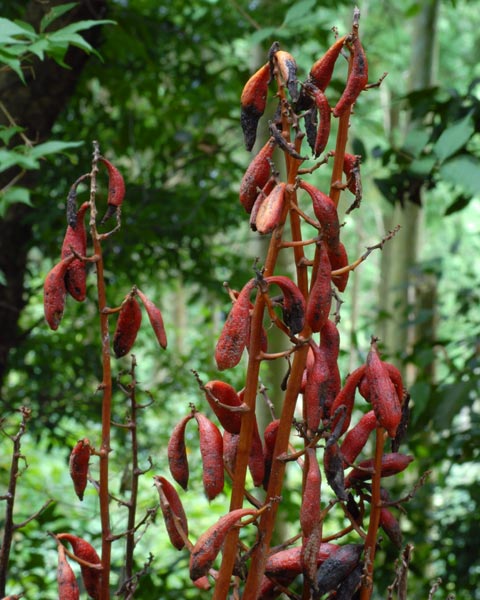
x=106 y=387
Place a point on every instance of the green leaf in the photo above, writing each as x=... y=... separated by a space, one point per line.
x=12 y=158
x=298 y=11
x=454 y=137
x=14 y=64
x=39 y=48
x=52 y=147
x=6 y=133
x=463 y=170
x=416 y=141
x=458 y=204
x=422 y=166
x=9 y=30
x=54 y=13
x=80 y=26
x=13 y=195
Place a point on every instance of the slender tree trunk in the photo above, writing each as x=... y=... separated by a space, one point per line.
x=399 y=294
x=35 y=107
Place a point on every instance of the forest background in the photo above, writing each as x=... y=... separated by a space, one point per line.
x=159 y=89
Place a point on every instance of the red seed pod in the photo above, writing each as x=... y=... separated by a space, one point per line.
x=92 y=578
x=338 y=260
x=336 y=568
x=322 y=70
x=320 y=298
x=293 y=302
x=390 y=525
x=253 y=101
x=351 y=166
x=219 y=392
x=270 y=437
x=333 y=465
x=346 y=397
x=78 y=465
x=202 y=583
x=55 y=292
x=256 y=462
x=395 y=377
x=76 y=238
x=67 y=583
x=211 y=449
x=128 y=324
x=262 y=195
x=172 y=508
x=209 y=543
x=288 y=562
x=316 y=389
x=230 y=446
x=357 y=80
x=256 y=176
x=270 y=211
x=310 y=508
x=156 y=319
x=324 y=113
x=392 y=463
x=330 y=347
x=116 y=189
x=383 y=395
x=357 y=437
x=288 y=71
x=235 y=332
x=326 y=213
x=177 y=453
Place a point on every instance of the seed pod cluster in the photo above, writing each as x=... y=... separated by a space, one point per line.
x=92 y=578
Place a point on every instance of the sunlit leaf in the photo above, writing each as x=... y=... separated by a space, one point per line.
x=464 y=171
x=54 y=13
x=454 y=137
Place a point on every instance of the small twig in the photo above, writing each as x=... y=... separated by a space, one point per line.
x=34 y=516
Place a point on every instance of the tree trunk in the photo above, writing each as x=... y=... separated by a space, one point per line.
x=399 y=296
x=35 y=107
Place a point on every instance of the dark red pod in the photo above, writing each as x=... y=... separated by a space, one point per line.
x=116 y=189
x=211 y=449
x=217 y=393
x=209 y=543
x=330 y=348
x=253 y=101
x=316 y=388
x=66 y=580
x=345 y=398
x=351 y=165
x=357 y=80
x=78 y=466
x=128 y=324
x=155 y=318
x=293 y=302
x=288 y=71
x=322 y=70
x=271 y=210
x=235 y=332
x=177 y=453
x=392 y=463
x=230 y=446
x=324 y=114
x=92 y=578
x=357 y=437
x=333 y=465
x=326 y=213
x=382 y=393
x=262 y=195
x=390 y=525
x=256 y=176
x=310 y=508
x=338 y=260
x=172 y=508
x=55 y=292
x=336 y=568
x=320 y=299
x=76 y=239
x=288 y=562
x=269 y=437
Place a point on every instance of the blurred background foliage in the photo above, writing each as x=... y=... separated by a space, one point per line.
x=163 y=101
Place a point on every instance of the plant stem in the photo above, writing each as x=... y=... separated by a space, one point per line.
x=9 y=526
x=132 y=504
x=106 y=387
x=371 y=539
